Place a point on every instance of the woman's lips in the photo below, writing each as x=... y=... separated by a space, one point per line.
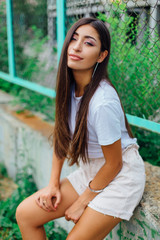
x=75 y=57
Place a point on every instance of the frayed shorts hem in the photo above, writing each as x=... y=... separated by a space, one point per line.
x=124 y=216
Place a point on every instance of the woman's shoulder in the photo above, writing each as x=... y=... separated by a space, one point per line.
x=104 y=94
x=107 y=90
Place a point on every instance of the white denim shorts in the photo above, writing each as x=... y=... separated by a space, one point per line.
x=123 y=194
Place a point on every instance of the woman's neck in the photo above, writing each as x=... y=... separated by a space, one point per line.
x=82 y=79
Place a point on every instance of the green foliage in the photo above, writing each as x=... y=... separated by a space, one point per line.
x=27 y=67
x=134 y=65
x=133 y=69
x=8 y=225
x=29 y=100
x=33 y=14
x=32 y=101
x=3 y=40
x=30 y=25
x=149 y=143
x=53 y=232
x=3 y=171
x=26 y=186
x=9 y=87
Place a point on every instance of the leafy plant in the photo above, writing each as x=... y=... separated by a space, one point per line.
x=3 y=38
x=31 y=13
x=53 y=232
x=28 y=100
x=3 y=171
x=149 y=143
x=133 y=66
x=36 y=102
x=8 y=225
x=26 y=67
x=133 y=69
x=26 y=187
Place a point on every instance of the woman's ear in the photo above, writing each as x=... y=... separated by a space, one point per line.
x=102 y=56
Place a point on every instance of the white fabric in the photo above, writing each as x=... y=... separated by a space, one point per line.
x=123 y=194
x=106 y=123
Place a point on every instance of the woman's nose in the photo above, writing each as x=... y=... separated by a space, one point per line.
x=77 y=46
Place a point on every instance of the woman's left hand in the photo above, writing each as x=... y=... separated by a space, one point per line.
x=75 y=211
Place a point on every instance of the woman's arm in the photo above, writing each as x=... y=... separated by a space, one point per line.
x=57 y=165
x=112 y=166
x=44 y=197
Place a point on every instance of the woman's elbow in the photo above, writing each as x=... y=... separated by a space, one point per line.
x=119 y=166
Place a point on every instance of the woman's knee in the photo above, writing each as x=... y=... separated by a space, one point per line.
x=70 y=237
x=75 y=236
x=25 y=212
x=21 y=213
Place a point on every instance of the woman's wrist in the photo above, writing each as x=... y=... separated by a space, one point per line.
x=86 y=197
x=54 y=183
x=95 y=190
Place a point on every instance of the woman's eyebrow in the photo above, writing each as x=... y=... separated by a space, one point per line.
x=90 y=37
x=86 y=36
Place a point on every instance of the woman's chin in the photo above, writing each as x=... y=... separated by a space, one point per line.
x=75 y=67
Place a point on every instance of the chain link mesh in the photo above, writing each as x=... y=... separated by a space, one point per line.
x=135 y=54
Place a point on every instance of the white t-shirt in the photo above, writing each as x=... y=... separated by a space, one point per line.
x=105 y=121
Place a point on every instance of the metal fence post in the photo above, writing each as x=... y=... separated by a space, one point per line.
x=153 y=19
x=60 y=6
x=11 y=57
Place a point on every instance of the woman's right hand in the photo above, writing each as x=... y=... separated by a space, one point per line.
x=48 y=198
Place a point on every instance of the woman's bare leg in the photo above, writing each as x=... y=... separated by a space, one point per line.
x=31 y=217
x=92 y=225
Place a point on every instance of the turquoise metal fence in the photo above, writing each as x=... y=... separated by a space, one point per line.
x=11 y=76
x=60 y=25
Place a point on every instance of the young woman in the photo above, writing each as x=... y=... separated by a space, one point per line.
x=91 y=130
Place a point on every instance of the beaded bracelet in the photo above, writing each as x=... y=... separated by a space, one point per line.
x=95 y=191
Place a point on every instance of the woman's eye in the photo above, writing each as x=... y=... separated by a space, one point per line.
x=73 y=38
x=88 y=43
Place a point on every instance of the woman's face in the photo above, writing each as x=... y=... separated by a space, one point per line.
x=84 y=49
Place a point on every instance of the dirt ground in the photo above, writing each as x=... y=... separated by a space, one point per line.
x=7 y=186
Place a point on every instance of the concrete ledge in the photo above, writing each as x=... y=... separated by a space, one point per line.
x=24 y=140
x=145 y=223
x=151 y=197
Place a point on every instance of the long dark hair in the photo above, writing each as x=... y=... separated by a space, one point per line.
x=77 y=147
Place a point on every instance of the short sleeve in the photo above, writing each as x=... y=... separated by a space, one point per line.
x=107 y=122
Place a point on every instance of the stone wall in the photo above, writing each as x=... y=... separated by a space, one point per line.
x=24 y=140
